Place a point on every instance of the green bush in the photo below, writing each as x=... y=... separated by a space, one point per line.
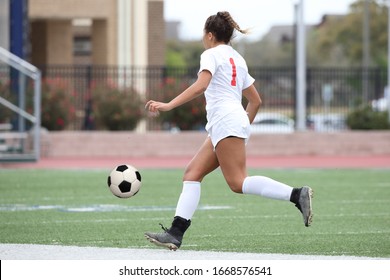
x=365 y=118
x=116 y=109
x=5 y=113
x=57 y=109
x=189 y=116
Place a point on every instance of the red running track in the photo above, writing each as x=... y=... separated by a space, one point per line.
x=181 y=162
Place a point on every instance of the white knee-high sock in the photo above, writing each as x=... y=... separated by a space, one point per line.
x=188 y=200
x=267 y=187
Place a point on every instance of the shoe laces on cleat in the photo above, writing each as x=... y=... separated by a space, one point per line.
x=164 y=228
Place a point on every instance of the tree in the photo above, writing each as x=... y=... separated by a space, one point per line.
x=183 y=53
x=336 y=41
x=266 y=53
x=342 y=38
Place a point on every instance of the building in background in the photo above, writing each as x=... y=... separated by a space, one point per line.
x=97 y=32
x=172 y=30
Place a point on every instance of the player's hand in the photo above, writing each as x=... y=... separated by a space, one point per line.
x=154 y=107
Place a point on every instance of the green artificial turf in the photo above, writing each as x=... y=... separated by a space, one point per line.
x=351 y=212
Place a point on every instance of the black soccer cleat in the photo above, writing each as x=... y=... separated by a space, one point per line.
x=163 y=239
x=171 y=238
x=302 y=199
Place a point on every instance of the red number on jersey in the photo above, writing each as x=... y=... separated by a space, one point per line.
x=234 y=72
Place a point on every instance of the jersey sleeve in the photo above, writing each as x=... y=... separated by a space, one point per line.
x=249 y=80
x=207 y=62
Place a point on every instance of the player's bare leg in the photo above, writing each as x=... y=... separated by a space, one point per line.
x=231 y=156
x=202 y=164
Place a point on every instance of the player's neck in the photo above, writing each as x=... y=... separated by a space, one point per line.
x=216 y=44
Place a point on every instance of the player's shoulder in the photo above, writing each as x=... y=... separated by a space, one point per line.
x=218 y=53
x=207 y=54
x=221 y=53
x=210 y=52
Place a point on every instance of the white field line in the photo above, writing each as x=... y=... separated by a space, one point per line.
x=57 y=252
x=99 y=208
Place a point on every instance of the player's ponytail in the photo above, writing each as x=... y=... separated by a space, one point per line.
x=222 y=26
x=226 y=16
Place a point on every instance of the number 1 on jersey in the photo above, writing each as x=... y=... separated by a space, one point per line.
x=234 y=72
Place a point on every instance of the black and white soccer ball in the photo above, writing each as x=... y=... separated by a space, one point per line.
x=124 y=181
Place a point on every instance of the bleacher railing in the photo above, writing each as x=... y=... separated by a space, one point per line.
x=28 y=140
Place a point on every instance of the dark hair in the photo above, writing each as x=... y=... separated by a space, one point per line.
x=222 y=26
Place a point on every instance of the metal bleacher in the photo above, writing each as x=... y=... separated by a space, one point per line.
x=20 y=144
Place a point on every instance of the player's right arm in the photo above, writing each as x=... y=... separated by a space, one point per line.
x=254 y=101
x=196 y=89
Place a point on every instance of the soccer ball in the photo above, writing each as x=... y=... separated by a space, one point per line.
x=124 y=181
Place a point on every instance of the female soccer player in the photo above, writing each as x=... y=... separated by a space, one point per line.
x=223 y=77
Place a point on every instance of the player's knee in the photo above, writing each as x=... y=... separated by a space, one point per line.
x=235 y=186
x=191 y=175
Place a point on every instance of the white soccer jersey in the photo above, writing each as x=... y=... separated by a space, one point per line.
x=229 y=78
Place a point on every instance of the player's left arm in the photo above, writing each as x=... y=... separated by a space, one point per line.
x=193 y=91
x=254 y=101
